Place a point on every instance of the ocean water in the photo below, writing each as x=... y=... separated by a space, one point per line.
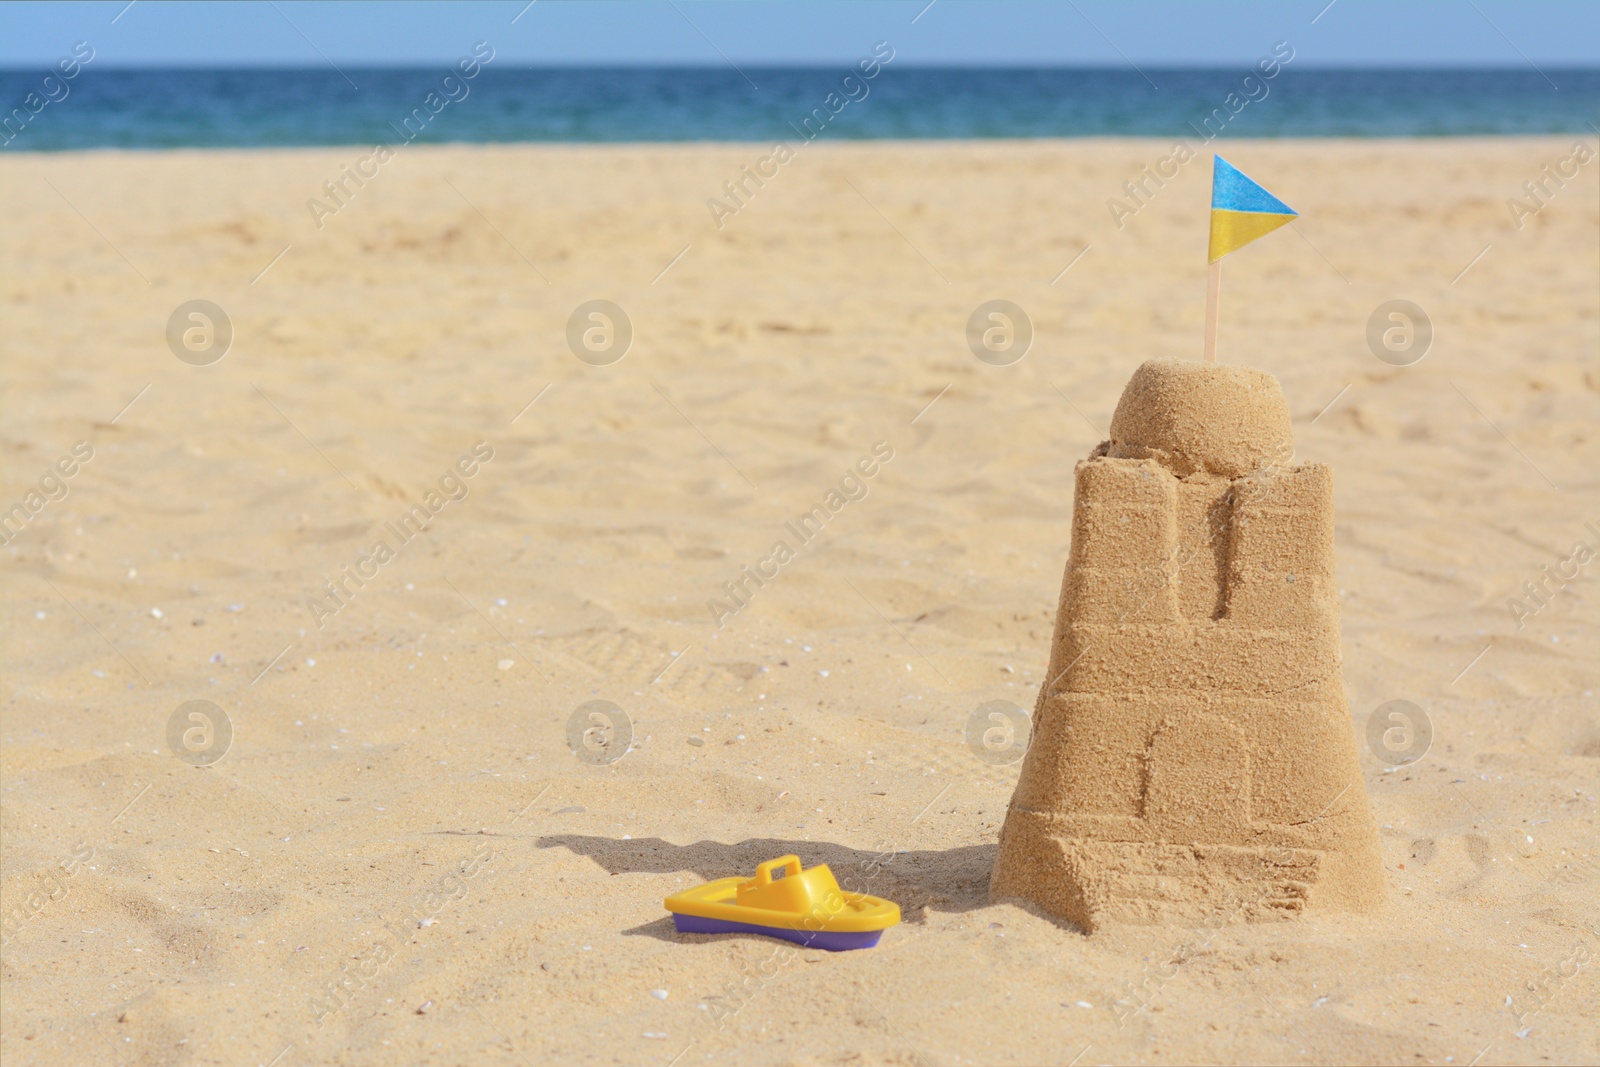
x=142 y=109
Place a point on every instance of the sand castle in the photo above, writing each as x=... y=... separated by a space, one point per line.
x=1193 y=757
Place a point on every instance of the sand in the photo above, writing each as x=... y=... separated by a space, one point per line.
x=398 y=812
x=1193 y=759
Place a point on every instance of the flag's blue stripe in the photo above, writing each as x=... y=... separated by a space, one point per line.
x=1232 y=191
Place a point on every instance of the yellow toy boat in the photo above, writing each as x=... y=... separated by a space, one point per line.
x=803 y=906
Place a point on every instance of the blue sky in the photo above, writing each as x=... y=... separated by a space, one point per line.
x=695 y=32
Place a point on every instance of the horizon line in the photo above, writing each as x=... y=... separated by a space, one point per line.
x=820 y=65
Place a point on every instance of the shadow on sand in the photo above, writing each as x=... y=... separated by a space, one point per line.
x=952 y=880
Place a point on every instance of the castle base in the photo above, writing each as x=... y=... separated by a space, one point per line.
x=1092 y=883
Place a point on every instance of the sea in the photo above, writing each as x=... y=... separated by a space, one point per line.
x=247 y=108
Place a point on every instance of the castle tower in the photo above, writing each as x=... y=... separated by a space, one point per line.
x=1192 y=755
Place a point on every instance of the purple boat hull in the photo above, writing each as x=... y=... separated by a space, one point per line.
x=832 y=941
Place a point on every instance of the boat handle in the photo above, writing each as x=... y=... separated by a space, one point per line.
x=790 y=865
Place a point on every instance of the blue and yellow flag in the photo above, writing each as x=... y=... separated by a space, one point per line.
x=1241 y=210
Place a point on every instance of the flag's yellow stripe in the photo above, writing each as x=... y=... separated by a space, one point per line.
x=1235 y=229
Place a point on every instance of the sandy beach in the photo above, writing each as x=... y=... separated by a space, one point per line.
x=399 y=859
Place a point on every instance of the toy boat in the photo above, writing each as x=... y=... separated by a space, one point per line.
x=783 y=901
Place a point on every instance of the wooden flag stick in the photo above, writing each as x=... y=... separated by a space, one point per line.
x=1213 y=295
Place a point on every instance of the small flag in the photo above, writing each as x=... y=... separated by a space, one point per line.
x=1241 y=210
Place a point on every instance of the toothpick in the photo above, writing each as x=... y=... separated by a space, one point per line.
x=1213 y=295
